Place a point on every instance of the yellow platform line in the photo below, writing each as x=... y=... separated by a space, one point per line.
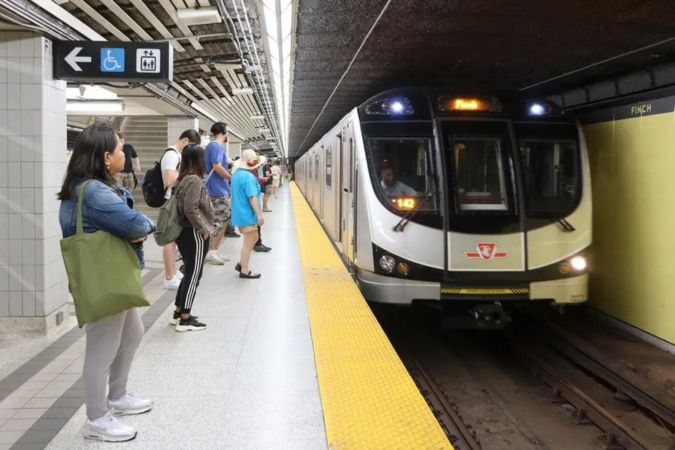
x=369 y=400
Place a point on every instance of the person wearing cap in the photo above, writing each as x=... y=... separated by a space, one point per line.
x=216 y=161
x=246 y=212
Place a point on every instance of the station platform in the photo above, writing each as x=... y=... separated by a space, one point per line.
x=294 y=360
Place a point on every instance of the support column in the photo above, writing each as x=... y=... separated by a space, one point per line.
x=33 y=282
x=234 y=149
x=176 y=126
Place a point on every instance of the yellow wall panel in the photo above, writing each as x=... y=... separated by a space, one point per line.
x=633 y=172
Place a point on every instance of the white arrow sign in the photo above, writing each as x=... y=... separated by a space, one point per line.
x=72 y=59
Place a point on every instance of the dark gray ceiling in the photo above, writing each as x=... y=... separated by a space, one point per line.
x=471 y=46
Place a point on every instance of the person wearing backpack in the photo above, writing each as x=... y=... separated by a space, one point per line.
x=195 y=214
x=170 y=165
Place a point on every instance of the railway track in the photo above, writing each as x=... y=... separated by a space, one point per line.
x=461 y=435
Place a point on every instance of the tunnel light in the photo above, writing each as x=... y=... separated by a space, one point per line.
x=199 y=16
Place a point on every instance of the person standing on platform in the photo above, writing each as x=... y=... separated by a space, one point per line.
x=266 y=182
x=127 y=178
x=276 y=179
x=196 y=217
x=218 y=177
x=246 y=213
x=170 y=164
x=111 y=342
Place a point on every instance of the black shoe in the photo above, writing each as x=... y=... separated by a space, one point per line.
x=232 y=234
x=190 y=324
x=176 y=318
x=261 y=248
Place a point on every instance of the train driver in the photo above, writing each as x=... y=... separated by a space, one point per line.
x=392 y=187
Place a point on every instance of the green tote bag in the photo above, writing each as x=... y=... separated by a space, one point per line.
x=103 y=272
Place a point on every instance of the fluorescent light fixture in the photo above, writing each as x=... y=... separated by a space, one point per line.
x=226 y=66
x=258 y=117
x=242 y=91
x=199 y=16
x=203 y=112
x=90 y=93
x=94 y=106
x=264 y=130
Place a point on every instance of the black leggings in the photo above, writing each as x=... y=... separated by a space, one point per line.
x=193 y=247
x=259 y=241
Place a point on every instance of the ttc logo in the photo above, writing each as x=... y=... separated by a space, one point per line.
x=486 y=251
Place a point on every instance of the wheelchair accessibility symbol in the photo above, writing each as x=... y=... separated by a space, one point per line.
x=147 y=60
x=112 y=60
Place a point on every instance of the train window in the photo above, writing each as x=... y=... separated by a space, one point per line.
x=316 y=166
x=479 y=173
x=552 y=176
x=401 y=172
x=329 y=166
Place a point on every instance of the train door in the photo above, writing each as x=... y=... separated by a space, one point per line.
x=320 y=157
x=347 y=204
x=337 y=187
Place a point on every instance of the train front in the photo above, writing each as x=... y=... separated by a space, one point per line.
x=480 y=205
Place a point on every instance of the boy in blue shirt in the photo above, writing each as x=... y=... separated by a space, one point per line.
x=246 y=212
x=216 y=162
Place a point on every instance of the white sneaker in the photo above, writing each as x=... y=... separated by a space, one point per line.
x=130 y=405
x=173 y=283
x=213 y=258
x=109 y=429
x=221 y=256
x=179 y=274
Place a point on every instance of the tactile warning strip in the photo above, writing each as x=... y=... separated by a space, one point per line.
x=369 y=400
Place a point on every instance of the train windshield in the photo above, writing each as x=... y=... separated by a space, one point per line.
x=551 y=168
x=479 y=167
x=401 y=172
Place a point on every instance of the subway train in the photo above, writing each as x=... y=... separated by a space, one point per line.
x=476 y=204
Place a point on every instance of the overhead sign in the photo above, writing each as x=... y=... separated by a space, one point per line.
x=113 y=61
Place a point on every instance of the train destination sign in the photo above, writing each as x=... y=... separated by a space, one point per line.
x=113 y=61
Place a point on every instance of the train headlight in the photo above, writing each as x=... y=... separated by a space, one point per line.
x=578 y=263
x=387 y=263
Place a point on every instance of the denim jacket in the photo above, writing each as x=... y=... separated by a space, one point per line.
x=104 y=209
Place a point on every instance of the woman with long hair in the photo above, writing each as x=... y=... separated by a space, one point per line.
x=196 y=215
x=111 y=342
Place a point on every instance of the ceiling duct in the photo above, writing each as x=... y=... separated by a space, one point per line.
x=199 y=16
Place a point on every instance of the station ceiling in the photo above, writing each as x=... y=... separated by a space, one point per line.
x=531 y=47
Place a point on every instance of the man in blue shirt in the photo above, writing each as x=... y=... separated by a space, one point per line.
x=216 y=161
x=246 y=212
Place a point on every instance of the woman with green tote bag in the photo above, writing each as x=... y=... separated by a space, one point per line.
x=112 y=337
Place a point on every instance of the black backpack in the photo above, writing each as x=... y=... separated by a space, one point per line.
x=153 y=184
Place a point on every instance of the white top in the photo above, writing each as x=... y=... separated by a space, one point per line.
x=276 y=171
x=170 y=161
x=397 y=189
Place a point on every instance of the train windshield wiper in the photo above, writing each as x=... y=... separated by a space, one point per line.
x=405 y=220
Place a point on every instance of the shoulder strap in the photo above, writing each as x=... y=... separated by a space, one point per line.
x=80 y=198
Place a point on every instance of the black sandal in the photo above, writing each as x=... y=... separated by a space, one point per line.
x=250 y=274
x=238 y=267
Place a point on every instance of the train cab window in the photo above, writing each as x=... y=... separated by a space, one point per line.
x=479 y=173
x=401 y=172
x=552 y=176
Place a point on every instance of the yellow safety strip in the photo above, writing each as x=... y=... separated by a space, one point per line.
x=369 y=400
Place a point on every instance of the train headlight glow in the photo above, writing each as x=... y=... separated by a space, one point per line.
x=537 y=110
x=396 y=107
x=578 y=263
x=387 y=263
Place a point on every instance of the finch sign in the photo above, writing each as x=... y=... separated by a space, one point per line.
x=113 y=61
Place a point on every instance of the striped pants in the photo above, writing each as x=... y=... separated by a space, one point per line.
x=193 y=248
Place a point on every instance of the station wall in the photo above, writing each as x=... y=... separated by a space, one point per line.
x=632 y=155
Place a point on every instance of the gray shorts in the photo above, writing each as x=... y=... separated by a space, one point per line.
x=221 y=212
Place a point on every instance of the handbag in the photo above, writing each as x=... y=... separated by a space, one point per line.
x=168 y=222
x=103 y=272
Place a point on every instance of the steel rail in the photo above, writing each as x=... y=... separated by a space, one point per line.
x=464 y=437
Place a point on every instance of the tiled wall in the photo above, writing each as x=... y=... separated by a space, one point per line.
x=176 y=126
x=33 y=286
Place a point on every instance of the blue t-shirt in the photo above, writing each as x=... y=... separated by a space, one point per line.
x=213 y=154
x=244 y=185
